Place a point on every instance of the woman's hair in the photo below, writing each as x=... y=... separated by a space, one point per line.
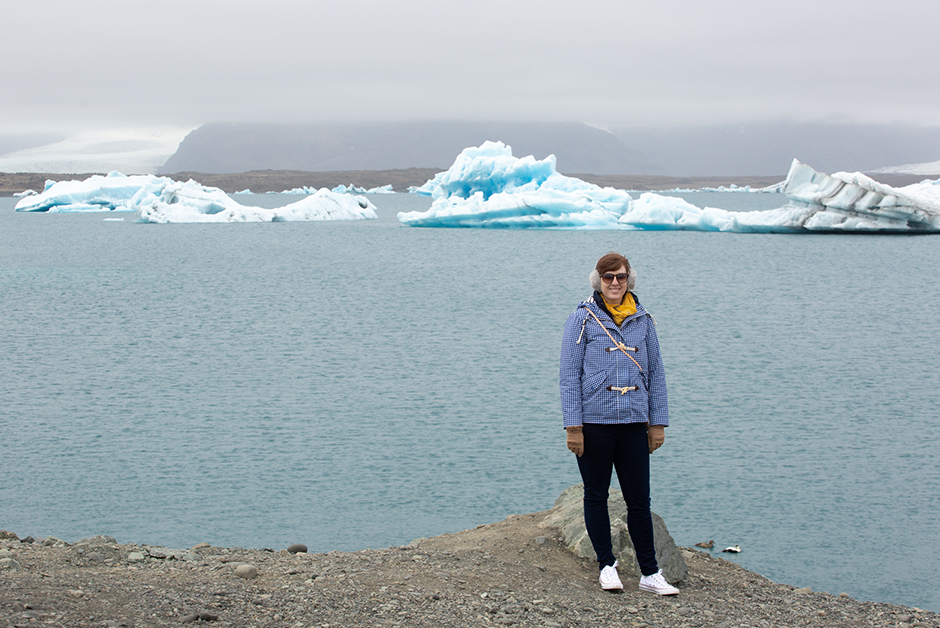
x=608 y=264
x=611 y=262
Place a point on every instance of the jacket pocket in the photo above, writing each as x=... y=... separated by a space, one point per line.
x=590 y=383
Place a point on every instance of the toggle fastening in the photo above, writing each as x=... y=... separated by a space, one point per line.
x=621 y=347
x=624 y=389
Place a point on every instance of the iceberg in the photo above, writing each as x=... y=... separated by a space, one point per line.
x=114 y=192
x=192 y=202
x=859 y=202
x=163 y=200
x=341 y=189
x=488 y=187
x=841 y=202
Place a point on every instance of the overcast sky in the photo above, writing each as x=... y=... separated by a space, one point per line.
x=74 y=65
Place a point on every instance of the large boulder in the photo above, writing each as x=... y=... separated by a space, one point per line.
x=568 y=516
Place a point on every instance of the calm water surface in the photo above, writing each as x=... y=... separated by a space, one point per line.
x=360 y=384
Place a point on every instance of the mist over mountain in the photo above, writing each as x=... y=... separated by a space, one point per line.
x=222 y=148
x=739 y=150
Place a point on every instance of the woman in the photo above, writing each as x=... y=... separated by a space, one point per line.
x=613 y=398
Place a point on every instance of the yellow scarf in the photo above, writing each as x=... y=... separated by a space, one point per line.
x=622 y=311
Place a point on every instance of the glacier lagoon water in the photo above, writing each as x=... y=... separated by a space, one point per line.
x=360 y=384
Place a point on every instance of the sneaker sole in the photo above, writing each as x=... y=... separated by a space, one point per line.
x=657 y=591
x=613 y=587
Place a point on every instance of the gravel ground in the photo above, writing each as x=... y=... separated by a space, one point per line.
x=511 y=573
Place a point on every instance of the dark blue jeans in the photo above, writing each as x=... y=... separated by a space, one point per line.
x=624 y=447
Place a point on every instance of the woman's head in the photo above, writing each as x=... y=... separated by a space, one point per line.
x=613 y=277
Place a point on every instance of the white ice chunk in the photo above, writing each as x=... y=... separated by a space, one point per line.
x=191 y=202
x=488 y=187
x=863 y=199
x=113 y=192
x=160 y=199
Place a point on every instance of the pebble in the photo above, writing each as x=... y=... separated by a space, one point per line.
x=135 y=557
x=9 y=563
x=199 y=616
x=297 y=548
x=76 y=593
x=248 y=572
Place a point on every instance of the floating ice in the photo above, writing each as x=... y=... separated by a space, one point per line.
x=819 y=202
x=191 y=202
x=488 y=187
x=159 y=199
x=341 y=189
x=114 y=192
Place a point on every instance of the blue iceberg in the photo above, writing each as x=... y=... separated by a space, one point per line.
x=488 y=187
x=163 y=200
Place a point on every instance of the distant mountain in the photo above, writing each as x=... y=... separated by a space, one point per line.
x=764 y=148
x=730 y=150
x=224 y=148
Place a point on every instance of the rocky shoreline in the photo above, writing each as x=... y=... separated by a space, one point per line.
x=516 y=572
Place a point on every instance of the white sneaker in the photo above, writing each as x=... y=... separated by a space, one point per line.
x=610 y=581
x=657 y=584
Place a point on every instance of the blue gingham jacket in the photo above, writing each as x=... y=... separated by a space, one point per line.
x=589 y=369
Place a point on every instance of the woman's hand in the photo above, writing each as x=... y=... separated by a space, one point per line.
x=575 y=440
x=656 y=435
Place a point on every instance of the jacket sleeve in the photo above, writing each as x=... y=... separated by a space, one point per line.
x=658 y=399
x=571 y=368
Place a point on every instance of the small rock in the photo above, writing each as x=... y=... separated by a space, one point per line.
x=8 y=536
x=708 y=613
x=96 y=557
x=135 y=557
x=844 y=595
x=28 y=539
x=76 y=593
x=9 y=564
x=200 y=546
x=803 y=591
x=248 y=572
x=297 y=548
x=632 y=609
x=541 y=540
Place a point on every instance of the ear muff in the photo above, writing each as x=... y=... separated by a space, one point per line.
x=595 y=279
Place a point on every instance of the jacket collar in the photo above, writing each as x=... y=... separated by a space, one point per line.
x=596 y=301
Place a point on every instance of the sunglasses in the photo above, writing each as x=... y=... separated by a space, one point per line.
x=609 y=277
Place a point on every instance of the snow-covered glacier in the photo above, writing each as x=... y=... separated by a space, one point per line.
x=488 y=187
x=162 y=200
